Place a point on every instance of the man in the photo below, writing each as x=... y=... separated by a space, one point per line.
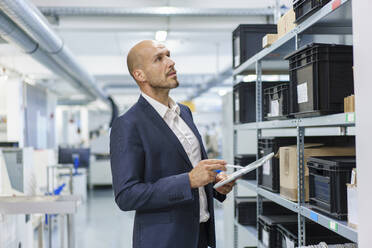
x=159 y=165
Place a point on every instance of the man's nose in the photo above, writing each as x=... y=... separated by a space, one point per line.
x=171 y=63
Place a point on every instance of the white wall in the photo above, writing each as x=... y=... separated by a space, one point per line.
x=228 y=155
x=2 y=96
x=98 y=118
x=12 y=106
x=245 y=145
x=51 y=120
x=86 y=120
x=3 y=111
x=15 y=109
x=363 y=89
x=68 y=121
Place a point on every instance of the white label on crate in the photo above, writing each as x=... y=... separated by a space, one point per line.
x=266 y=168
x=265 y=238
x=237 y=101
x=275 y=108
x=302 y=93
x=237 y=60
x=264 y=41
x=289 y=243
x=237 y=51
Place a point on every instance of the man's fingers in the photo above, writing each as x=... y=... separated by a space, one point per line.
x=214 y=161
x=215 y=167
x=221 y=176
x=212 y=173
x=224 y=189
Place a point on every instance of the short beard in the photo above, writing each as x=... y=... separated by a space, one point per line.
x=155 y=86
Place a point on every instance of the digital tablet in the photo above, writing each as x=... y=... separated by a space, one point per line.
x=245 y=170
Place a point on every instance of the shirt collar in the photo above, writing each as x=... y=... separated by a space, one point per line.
x=161 y=108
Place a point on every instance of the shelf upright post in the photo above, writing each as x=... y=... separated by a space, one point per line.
x=277 y=11
x=300 y=172
x=235 y=190
x=258 y=119
x=301 y=183
x=259 y=91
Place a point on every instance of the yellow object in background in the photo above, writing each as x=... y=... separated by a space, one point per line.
x=189 y=104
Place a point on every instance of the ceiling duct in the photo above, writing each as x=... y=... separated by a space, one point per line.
x=29 y=18
x=225 y=74
x=155 y=11
x=13 y=34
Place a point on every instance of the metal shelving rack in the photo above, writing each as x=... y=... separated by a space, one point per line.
x=334 y=18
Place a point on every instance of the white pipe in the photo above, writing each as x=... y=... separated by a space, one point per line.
x=29 y=18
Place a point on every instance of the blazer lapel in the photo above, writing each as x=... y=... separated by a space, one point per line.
x=190 y=123
x=162 y=125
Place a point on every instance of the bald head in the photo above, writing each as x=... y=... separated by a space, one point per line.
x=150 y=65
x=137 y=53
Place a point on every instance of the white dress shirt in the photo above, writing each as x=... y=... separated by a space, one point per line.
x=171 y=115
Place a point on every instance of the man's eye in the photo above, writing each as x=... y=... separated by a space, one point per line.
x=158 y=59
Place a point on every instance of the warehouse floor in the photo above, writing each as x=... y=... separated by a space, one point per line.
x=100 y=223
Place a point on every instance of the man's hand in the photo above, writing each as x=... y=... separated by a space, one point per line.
x=225 y=189
x=204 y=172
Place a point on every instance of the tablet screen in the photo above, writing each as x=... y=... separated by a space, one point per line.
x=244 y=170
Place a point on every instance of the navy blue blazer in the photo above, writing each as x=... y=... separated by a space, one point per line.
x=150 y=175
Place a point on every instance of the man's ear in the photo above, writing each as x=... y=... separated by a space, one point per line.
x=139 y=75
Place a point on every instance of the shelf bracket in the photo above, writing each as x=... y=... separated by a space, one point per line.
x=259 y=91
x=297 y=41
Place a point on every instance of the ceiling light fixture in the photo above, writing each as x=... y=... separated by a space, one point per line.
x=161 y=35
x=222 y=92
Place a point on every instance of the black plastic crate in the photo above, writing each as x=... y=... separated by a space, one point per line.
x=244 y=98
x=268 y=174
x=247 y=40
x=287 y=235
x=267 y=228
x=321 y=76
x=276 y=102
x=305 y=8
x=328 y=177
x=246 y=210
x=243 y=160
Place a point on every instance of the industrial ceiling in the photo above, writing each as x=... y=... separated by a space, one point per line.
x=100 y=33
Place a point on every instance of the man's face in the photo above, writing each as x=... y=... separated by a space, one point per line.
x=159 y=67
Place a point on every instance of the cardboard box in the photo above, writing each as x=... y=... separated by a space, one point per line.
x=349 y=104
x=352 y=201
x=352 y=205
x=346 y=104
x=286 y=23
x=288 y=166
x=352 y=103
x=268 y=40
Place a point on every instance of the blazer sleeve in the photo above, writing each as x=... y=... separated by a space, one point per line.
x=220 y=197
x=127 y=166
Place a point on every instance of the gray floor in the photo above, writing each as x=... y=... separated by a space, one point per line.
x=100 y=223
